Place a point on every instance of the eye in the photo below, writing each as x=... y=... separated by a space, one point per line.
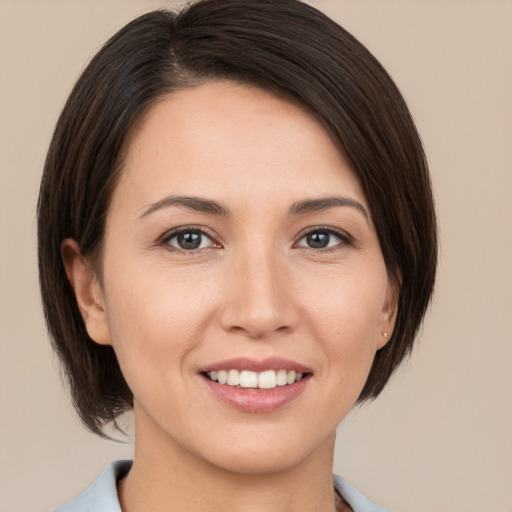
x=323 y=238
x=189 y=239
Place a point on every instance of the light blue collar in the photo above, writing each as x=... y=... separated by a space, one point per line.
x=101 y=496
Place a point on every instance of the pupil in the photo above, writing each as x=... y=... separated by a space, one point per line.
x=189 y=240
x=318 y=240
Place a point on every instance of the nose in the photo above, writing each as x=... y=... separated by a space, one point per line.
x=259 y=301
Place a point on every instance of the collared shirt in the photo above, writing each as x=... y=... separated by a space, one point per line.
x=101 y=496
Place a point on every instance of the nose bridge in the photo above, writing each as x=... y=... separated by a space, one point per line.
x=259 y=303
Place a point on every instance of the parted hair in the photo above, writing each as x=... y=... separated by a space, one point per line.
x=286 y=47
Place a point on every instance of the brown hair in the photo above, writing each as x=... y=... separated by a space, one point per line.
x=286 y=47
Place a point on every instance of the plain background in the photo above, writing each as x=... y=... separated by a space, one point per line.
x=440 y=437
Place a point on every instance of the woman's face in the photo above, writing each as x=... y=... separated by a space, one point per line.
x=239 y=245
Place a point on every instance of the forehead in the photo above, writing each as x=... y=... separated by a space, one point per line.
x=223 y=138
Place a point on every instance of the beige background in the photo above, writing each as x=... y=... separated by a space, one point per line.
x=440 y=437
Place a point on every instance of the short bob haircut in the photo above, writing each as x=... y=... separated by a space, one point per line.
x=285 y=47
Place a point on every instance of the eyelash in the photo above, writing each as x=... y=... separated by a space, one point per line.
x=184 y=230
x=344 y=239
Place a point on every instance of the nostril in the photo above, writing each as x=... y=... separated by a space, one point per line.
x=259 y=316
x=260 y=331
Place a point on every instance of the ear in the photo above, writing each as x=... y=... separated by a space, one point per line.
x=88 y=292
x=389 y=311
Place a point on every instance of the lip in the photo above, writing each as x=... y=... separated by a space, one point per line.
x=247 y=363
x=257 y=400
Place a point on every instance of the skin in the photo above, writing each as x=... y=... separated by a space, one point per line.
x=255 y=288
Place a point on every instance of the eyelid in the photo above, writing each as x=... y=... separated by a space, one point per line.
x=164 y=239
x=343 y=235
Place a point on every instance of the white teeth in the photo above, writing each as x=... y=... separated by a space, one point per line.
x=268 y=379
x=282 y=378
x=233 y=378
x=248 y=379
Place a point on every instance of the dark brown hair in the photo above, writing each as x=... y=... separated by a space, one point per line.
x=286 y=47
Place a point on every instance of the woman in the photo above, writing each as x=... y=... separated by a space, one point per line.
x=237 y=240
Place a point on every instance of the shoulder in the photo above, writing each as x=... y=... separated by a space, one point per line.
x=354 y=498
x=101 y=496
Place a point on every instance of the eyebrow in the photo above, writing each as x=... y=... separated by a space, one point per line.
x=324 y=203
x=192 y=203
x=211 y=207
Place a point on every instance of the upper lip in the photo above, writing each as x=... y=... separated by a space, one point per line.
x=251 y=364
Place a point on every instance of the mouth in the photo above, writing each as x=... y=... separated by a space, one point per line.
x=268 y=379
x=257 y=386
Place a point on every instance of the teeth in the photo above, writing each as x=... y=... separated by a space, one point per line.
x=282 y=378
x=248 y=379
x=233 y=378
x=268 y=379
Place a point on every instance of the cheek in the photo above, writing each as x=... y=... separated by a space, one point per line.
x=155 y=321
x=346 y=314
x=349 y=305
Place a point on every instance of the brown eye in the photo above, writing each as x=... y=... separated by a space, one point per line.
x=189 y=240
x=323 y=239
x=318 y=239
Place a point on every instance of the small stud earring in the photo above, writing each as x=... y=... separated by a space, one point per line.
x=386 y=335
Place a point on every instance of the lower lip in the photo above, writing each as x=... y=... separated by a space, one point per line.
x=257 y=400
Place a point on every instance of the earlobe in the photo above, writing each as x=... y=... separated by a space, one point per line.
x=88 y=292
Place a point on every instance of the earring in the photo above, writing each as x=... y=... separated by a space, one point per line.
x=386 y=335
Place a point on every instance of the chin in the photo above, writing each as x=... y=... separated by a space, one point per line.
x=258 y=464
x=268 y=455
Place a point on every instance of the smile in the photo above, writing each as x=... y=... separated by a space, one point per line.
x=257 y=386
x=268 y=379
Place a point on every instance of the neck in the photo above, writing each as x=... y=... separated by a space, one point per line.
x=167 y=478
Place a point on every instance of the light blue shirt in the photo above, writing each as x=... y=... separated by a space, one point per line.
x=101 y=496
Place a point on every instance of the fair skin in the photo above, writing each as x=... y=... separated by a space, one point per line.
x=276 y=257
